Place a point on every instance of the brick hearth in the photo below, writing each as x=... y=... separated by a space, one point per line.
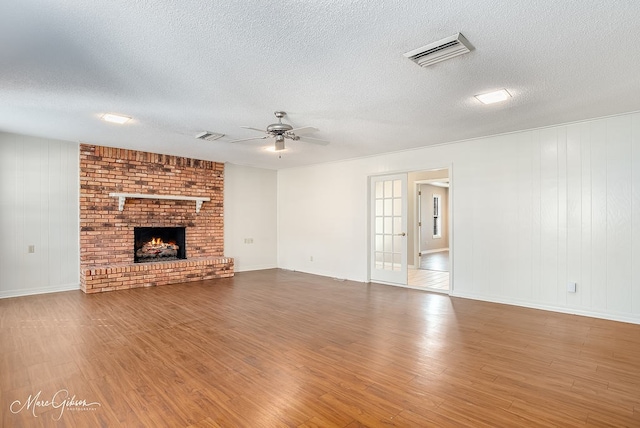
x=106 y=234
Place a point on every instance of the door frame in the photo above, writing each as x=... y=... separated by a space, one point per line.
x=416 y=239
x=450 y=207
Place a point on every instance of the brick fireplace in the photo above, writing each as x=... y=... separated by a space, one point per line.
x=107 y=233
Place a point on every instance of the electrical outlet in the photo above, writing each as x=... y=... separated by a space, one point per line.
x=571 y=287
x=248 y=240
x=311 y=258
x=32 y=249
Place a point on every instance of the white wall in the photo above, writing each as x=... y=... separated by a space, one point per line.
x=38 y=206
x=565 y=207
x=250 y=213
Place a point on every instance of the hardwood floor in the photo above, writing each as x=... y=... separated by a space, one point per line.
x=276 y=348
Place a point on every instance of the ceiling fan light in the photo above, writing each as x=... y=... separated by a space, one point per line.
x=279 y=143
x=274 y=149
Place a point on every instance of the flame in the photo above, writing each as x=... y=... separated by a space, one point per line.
x=156 y=241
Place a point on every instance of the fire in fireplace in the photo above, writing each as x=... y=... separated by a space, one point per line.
x=154 y=244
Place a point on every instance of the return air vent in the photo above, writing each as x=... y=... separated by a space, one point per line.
x=209 y=136
x=440 y=50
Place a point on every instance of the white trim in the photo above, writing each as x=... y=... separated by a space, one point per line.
x=551 y=308
x=393 y=284
x=437 y=250
x=237 y=269
x=40 y=290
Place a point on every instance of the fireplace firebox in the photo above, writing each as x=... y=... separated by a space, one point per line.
x=156 y=244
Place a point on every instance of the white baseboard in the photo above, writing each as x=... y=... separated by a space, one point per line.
x=437 y=250
x=253 y=267
x=40 y=290
x=564 y=310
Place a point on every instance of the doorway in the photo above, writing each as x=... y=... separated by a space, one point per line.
x=430 y=269
x=410 y=229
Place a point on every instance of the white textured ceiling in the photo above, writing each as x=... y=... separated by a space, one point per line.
x=180 y=67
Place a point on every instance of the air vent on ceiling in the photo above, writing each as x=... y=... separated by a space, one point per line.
x=439 y=51
x=209 y=136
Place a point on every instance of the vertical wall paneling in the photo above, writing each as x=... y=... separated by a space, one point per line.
x=536 y=216
x=532 y=211
x=619 y=214
x=584 y=278
x=55 y=189
x=32 y=211
x=599 y=215
x=561 y=289
x=462 y=209
x=481 y=236
x=44 y=219
x=635 y=184
x=549 y=214
x=9 y=216
x=573 y=214
x=524 y=232
x=508 y=204
x=39 y=207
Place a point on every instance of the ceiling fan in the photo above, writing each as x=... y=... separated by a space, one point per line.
x=281 y=131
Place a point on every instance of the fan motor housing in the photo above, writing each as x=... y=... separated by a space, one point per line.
x=279 y=128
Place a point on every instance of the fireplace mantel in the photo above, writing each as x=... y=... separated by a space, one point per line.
x=122 y=197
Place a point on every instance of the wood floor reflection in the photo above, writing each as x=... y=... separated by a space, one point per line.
x=277 y=348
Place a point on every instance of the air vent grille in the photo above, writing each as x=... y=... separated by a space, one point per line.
x=209 y=136
x=439 y=51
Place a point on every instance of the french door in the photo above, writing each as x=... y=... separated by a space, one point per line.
x=389 y=229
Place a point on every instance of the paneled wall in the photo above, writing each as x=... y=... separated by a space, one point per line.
x=564 y=206
x=38 y=209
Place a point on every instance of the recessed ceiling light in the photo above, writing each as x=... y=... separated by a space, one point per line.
x=115 y=118
x=494 y=97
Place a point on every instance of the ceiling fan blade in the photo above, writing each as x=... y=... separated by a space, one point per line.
x=314 y=140
x=304 y=130
x=253 y=129
x=249 y=139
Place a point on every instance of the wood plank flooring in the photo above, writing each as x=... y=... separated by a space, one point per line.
x=276 y=348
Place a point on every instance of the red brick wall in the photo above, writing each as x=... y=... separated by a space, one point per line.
x=106 y=234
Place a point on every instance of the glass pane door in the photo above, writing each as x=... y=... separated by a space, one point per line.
x=388 y=229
